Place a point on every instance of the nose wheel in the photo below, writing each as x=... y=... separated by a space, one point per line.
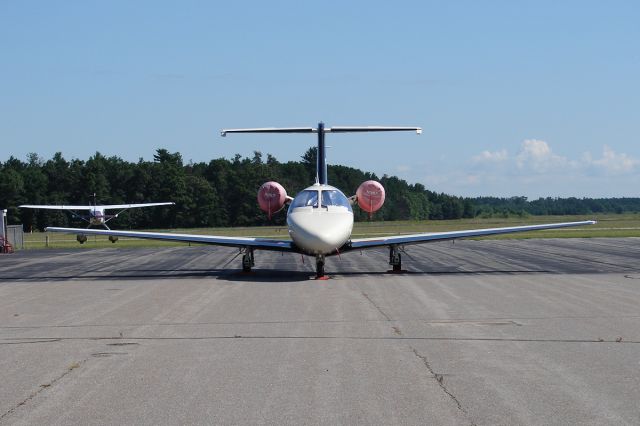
x=320 y=268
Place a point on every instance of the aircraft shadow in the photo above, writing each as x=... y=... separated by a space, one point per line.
x=256 y=275
x=156 y=274
x=271 y=275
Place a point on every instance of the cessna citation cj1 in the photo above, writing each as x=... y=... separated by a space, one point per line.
x=320 y=217
x=96 y=214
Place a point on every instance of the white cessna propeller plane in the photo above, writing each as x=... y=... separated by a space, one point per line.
x=96 y=214
x=320 y=217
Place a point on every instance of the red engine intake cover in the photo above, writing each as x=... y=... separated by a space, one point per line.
x=370 y=196
x=271 y=197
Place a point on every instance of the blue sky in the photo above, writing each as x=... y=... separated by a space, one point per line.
x=515 y=98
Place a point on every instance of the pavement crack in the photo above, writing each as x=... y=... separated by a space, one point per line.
x=439 y=378
x=42 y=388
x=26 y=342
x=378 y=308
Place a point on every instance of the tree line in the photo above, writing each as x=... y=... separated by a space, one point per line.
x=222 y=192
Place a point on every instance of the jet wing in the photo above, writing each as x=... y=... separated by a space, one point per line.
x=133 y=206
x=53 y=207
x=402 y=240
x=258 y=243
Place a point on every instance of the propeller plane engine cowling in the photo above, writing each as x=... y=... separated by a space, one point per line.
x=370 y=196
x=271 y=197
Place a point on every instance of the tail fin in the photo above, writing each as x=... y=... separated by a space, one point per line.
x=321 y=167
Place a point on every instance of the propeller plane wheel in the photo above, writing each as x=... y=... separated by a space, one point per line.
x=81 y=238
x=113 y=238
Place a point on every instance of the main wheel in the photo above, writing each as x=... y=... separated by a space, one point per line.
x=395 y=259
x=397 y=267
x=246 y=263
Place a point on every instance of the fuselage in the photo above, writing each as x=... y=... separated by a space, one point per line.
x=96 y=216
x=320 y=220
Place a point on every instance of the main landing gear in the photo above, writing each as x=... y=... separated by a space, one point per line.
x=395 y=259
x=247 y=260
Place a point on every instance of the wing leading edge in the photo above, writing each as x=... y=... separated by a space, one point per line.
x=54 y=207
x=363 y=243
x=257 y=243
x=102 y=207
x=288 y=245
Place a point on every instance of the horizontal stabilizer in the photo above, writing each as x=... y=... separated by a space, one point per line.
x=354 y=129
x=339 y=129
x=321 y=130
x=271 y=130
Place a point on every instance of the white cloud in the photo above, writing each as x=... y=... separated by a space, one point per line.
x=491 y=157
x=536 y=155
x=612 y=162
x=535 y=169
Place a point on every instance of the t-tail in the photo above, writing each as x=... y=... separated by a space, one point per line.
x=321 y=130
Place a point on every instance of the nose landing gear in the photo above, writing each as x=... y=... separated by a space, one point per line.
x=320 y=268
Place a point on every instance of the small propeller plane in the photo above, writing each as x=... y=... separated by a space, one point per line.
x=320 y=217
x=96 y=215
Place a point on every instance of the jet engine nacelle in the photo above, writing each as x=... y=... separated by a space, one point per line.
x=271 y=197
x=370 y=195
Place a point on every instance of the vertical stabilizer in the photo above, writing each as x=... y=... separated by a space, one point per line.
x=321 y=162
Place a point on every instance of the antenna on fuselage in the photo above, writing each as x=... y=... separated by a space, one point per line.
x=321 y=161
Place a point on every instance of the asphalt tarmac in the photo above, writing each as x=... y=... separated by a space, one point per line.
x=474 y=333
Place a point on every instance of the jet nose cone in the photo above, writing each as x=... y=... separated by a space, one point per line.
x=319 y=232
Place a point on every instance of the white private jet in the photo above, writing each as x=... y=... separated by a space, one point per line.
x=96 y=214
x=320 y=217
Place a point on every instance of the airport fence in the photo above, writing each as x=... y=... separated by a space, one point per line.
x=15 y=236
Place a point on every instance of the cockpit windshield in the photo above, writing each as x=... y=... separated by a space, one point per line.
x=333 y=197
x=305 y=199
x=328 y=197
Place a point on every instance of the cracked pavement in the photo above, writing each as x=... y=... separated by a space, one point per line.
x=475 y=333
